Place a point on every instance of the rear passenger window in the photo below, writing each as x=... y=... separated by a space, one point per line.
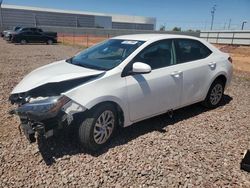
x=25 y=29
x=190 y=50
x=27 y=33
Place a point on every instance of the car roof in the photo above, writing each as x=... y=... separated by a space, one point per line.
x=149 y=37
x=29 y=28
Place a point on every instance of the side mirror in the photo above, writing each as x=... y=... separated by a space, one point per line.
x=141 y=68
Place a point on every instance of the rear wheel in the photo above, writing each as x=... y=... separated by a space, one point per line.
x=98 y=127
x=23 y=41
x=49 y=42
x=215 y=94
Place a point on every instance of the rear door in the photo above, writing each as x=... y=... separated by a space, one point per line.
x=193 y=60
x=158 y=91
x=37 y=37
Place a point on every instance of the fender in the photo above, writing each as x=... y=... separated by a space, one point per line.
x=109 y=88
x=123 y=106
x=214 y=78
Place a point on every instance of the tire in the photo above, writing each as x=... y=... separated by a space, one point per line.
x=23 y=41
x=49 y=42
x=93 y=133
x=215 y=94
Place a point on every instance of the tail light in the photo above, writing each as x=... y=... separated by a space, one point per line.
x=230 y=59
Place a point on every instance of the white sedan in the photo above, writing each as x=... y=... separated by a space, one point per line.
x=118 y=82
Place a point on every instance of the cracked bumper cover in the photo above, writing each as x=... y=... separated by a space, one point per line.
x=46 y=115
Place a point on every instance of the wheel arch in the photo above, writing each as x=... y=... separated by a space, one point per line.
x=220 y=76
x=115 y=102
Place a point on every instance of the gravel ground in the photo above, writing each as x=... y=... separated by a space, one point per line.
x=196 y=148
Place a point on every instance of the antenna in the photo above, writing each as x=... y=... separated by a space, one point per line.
x=212 y=13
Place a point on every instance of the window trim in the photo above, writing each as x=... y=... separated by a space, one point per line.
x=126 y=69
x=175 y=41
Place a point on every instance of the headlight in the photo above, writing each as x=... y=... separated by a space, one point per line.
x=49 y=104
x=41 y=108
x=72 y=107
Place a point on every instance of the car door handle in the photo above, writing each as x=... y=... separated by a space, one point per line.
x=176 y=74
x=212 y=64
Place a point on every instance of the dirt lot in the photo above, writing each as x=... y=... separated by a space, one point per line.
x=81 y=40
x=197 y=147
x=240 y=55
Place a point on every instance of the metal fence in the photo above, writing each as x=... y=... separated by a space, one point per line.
x=112 y=32
x=89 y=36
x=83 y=40
x=237 y=37
x=101 y=31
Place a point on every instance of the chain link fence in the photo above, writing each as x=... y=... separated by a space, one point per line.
x=89 y=36
x=80 y=40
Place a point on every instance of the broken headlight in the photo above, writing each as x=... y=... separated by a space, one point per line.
x=42 y=108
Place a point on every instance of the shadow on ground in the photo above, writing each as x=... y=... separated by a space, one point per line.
x=65 y=144
x=35 y=44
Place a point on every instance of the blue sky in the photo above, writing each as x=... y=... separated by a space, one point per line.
x=193 y=14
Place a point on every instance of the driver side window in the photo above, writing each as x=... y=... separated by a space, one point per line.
x=157 y=55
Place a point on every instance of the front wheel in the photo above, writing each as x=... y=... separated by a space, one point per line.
x=215 y=94
x=98 y=127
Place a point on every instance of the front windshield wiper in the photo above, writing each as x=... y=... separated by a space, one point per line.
x=69 y=60
x=92 y=67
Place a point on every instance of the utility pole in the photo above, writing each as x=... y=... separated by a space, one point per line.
x=212 y=14
x=229 y=24
x=1 y=17
x=205 y=25
x=35 y=22
x=243 y=23
x=225 y=25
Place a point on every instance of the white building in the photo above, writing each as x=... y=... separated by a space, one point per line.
x=12 y=15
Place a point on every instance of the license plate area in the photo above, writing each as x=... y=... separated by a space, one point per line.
x=28 y=132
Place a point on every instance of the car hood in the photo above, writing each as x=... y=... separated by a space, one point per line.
x=6 y=31
x=53 y=73
x=10 y=32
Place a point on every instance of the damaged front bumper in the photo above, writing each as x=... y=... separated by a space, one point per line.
x=43 y=116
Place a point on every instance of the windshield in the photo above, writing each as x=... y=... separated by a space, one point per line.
x=16 y=28
x=106 y=55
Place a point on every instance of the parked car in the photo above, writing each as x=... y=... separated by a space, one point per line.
x=5 y=32
x=119 y=82
x=32 y=35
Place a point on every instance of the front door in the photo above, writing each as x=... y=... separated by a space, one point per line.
x=158 y=91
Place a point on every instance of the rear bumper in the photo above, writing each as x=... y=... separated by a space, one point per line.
x=229 y=77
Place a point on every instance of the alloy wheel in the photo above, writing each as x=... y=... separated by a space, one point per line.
x=104 y=127
x=50 y=42
x=216 y=94
x=23 y=41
